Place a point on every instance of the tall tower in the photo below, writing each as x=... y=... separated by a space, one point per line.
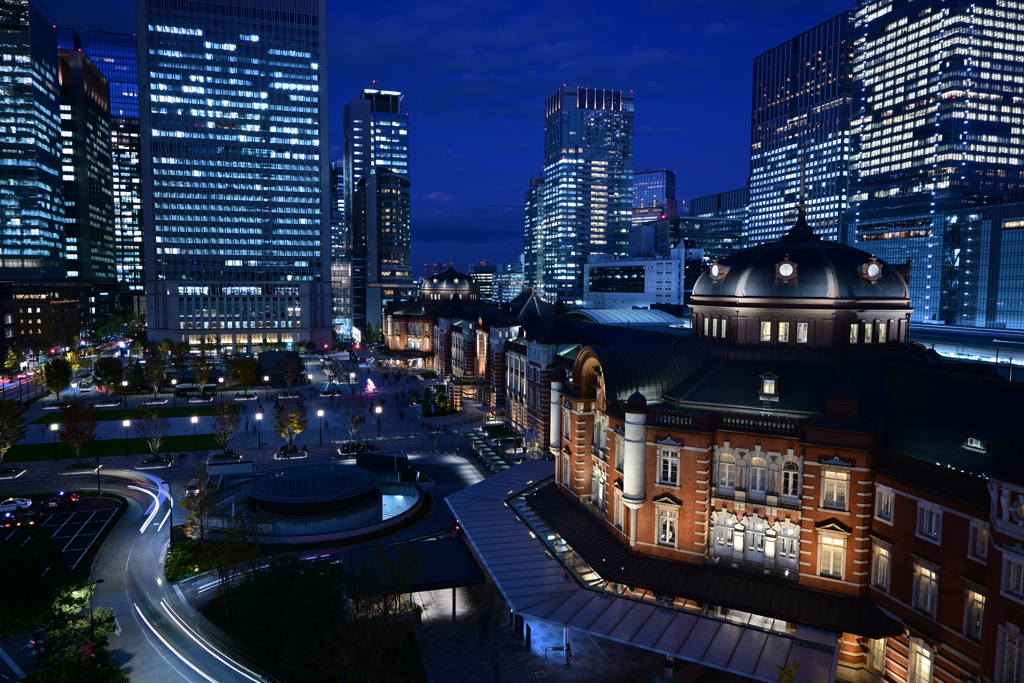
x=234 y=121
x=654 y=196
x=802 y=96
x=586 y=199
x=31 y=191
x=935 y=126
x=86 y=165
x=377 y=203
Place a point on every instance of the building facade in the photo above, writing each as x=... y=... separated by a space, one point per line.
x=377 y=201
x=732 y=204
x=584 y=203
x=800 y=131
x=654 y=196
x=30 y=182
x=233 y=104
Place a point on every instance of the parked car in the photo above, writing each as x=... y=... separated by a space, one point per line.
x=62 y=500
x=13 y=504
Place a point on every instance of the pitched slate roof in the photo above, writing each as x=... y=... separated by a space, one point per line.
x=651 y=370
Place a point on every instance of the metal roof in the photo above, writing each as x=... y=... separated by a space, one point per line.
x=624 y=316
x=313 y=483
x=538 y=586
x=444 y=563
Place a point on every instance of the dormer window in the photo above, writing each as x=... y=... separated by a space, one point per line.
x=974 y=444
x=769 y=387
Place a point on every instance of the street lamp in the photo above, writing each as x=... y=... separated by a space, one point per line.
x=320 y=414
x=92 y=624
x=259 y=430
x=266 y=394
x=124 y=392
x=378 y=411
x=174 y=392
x=352 y=382
x=195 y=446
x=220 y=380
x=126 y=423
x=53 y=428
x=310 y=386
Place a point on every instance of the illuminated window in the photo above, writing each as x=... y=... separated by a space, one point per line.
x=801 y=333
x=854 y=329
x=766 y=332
x=783 y=332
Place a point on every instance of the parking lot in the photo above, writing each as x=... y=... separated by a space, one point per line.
x=75 y=529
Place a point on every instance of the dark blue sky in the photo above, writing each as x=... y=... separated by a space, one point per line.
x=475 y=74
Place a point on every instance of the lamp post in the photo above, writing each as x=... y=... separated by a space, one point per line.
x=174 y=392
x=92 y=623
x=320 y=414
x=126 y=424
x=195 y=443
x=124 y=393
x=220 y=380
x=266 y=393
x=259 y=430
x=53 y=428
x=377 y=411
x=352 y=382
x=310 y=387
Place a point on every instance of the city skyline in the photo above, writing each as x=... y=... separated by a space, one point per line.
x=493 y=66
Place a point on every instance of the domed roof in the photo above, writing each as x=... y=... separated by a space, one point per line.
x=802 y=266
x=450 y=280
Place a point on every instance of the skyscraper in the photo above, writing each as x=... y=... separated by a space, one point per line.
x=86 y=169
x=377 y=204
x=233 y=101
x=586 y=197
x=937 y=125
x=116 y=55
x=801 y=110
x=30 y=182
x=654 y=196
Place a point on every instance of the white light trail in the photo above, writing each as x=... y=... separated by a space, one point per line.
x=156 y=506
x=173 y=651
x=203 y=643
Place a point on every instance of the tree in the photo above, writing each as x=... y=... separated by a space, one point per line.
x=179 y=353
x=57 y=374
x=238 y=547
x=245 y=371
x=155 y=369
x=290 y=368
x=165 y=348
x=79 y=426
x=12 y=427
x=109 y=373
x=226 y=421
x=77 y=641
x=353 y=412
x=198 y=507
x=289 y=419
x=153 y=428
x=74 y=360
x=201 y=372
x=11 y=361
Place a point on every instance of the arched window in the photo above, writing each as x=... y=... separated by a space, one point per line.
x=787 y=548
x=757 y=478
x=753 y=541
x=723 y=540
x=726 y=471
x=791 y=479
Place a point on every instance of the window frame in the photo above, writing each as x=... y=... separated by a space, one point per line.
x=881 y=564
x=978 y=540
x=837 y=476
x=973 y=628
x=1012 y=583
x=802 y=332
x=797 y=480
x=722 y=464
x=931 y=512
x=766 y=331
x=832 y=541
x=917 y=649
x=876 y=653
x=926 y=575
x=670 y=456
x=666 y=515
x=884 y=493
x=783 y=335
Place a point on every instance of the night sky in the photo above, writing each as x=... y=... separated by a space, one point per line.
x=475 y=74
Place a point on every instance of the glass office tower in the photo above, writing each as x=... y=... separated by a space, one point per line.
x=654 y=196
x=586 y=197
x=233 y=105
x=802 y=94
x=938 y=124
x=377 y=202
x=31 y=192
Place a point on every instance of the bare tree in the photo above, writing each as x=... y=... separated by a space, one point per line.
x=155 y=370
x=79 y=426
x=289 y=419
x=353 y=411
x=226 y=421
x=201 y=370
x=290 y=369
x=153 y=428
x=12 y=427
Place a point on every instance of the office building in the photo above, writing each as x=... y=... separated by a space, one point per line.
x=233 y=105
x=584 y=203
x=732 y=204
x=341 y=254
x=800 y=130
x=508 y=281
x=483 y=273
x=377 y=202
x=654 y=196
x=86 y=168
x=31 y=189
x=938 y=128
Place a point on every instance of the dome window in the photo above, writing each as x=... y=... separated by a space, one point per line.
x=872 y=271
x=769 y=387
x=717 y=272
x=785 y=272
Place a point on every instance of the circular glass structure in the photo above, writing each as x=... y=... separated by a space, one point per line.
x=313 y=489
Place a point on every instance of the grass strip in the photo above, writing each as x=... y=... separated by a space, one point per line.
x=108 y=414
x=41 y=452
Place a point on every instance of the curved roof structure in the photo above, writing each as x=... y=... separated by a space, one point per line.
x=802 y=267
x=651 y=370
x=623 y=316
x=313 y=483
x=451 y=281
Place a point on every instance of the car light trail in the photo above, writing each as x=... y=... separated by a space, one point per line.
x=156 y=506
x=175 y=652
x=203 y=643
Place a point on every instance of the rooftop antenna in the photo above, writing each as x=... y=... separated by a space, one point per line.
x=801 y=227
x=451 y=261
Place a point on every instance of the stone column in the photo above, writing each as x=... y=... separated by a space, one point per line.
x=555 y=423
x=634 y=471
